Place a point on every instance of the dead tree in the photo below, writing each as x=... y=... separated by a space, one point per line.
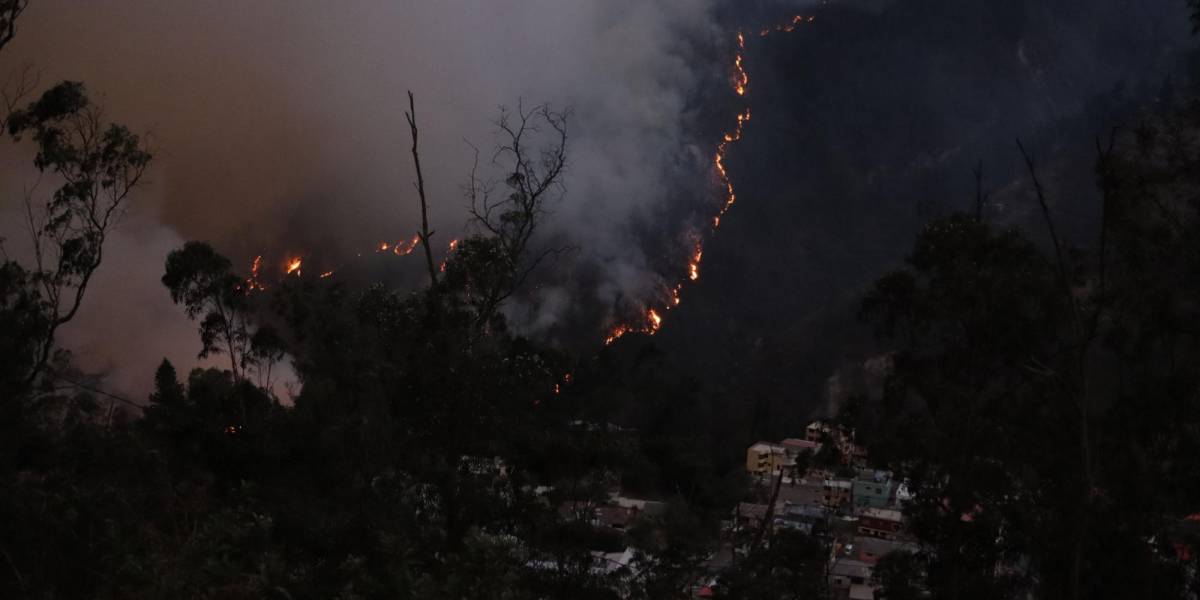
x=9 y=11
x=425 y=233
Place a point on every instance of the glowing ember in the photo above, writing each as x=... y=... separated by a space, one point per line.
x=655 y=320
x=402 y=250
x=453 y=245
x=326 y=274
x=252 y=282
x=787 y=26
x=694 y=264
x=741 y=79
x=293 y=266
x=617 y=333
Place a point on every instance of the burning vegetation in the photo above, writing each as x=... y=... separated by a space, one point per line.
x=650 y=319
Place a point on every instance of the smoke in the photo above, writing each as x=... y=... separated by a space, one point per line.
x=279 y=129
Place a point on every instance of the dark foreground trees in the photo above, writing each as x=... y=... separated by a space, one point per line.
x=1045 y=404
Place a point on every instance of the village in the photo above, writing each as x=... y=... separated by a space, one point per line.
x=821 y=485
x=818 y=485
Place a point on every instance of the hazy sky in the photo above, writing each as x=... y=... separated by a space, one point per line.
x=279 y=127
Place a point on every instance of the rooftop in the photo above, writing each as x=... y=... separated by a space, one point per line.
x=886 y=514
x=848 y=567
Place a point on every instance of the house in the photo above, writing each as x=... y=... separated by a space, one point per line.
x=837 y=492
x=872 y=489
x=861 y=592
x=845 y=572
x=614 y=517
x=816 y=431
x=650 y=508
x=747 y=514
x=799 y=518
x=765 y=458
x=802 y=492
x=882 y=523
x=852 y=453
x=610 y=562
x=869 y=549
x=794 y=446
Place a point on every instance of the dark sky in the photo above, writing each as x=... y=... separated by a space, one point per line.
x=279 y=127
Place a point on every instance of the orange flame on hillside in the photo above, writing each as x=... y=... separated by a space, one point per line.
x=293 y=266
x=252 y=282
x=694 y=264
x=788 y=26
x=741 y=79
x=453 y=246
x=651 y=319
x=401 y=248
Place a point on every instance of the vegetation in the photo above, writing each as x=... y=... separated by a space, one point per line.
x=1042 y=407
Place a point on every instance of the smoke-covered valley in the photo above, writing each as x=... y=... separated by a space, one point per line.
x=279 y=132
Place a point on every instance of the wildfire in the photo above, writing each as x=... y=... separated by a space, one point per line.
x=741 y=79
x=694 y=265
x=617 y=333
x=326 y=274
x=453 y=245
x=651 y=320
x=788 y=26
x=252 y=282
x=401 y=248
x=655 y=320
x=293 y=266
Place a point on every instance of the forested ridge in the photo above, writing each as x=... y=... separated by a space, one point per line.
x=1041 y=405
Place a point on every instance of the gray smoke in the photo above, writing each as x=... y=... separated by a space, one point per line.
x=279 y=128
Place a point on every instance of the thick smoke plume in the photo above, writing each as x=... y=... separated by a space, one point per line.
x=279 y=128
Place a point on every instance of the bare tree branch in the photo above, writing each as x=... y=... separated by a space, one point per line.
x=411 y=116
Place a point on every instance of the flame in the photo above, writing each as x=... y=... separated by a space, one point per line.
x=252 y=282
x=694 y=265
x=655 y=320
x=787 y=26
x=453 y=245
x=293 y=265
x=326 y=274
x=405 y=251
x=400 y=248
x=617 y=333
x=651 y=320
x=740 y=79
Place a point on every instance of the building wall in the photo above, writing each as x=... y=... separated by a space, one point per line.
x=871 y=494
